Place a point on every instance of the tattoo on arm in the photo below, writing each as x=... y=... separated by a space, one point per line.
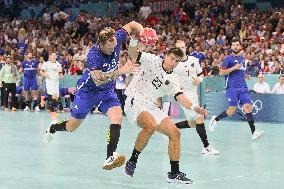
x=101 y=78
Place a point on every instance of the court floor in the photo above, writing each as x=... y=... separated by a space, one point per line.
x=74 y=160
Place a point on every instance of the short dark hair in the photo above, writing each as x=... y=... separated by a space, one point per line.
x=236 y=39
x=176 y=51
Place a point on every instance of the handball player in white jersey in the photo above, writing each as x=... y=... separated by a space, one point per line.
x=190 y=76
x=154 y=80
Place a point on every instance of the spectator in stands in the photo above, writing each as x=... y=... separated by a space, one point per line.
x=198 y=54
x=279 y=86
x=145 y=11
x=2 y=63
x=251 y=69
x=261 y=86
x=9 y=75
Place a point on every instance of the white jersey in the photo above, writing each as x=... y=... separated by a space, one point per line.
x=152 y=81
x=52 y=83
x=186 y=71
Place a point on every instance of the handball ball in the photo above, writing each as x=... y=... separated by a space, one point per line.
x=148 y=36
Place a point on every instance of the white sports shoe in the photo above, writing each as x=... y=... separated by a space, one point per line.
x=256 y=135
x=114 y=161
x=27 y=109
x=212 y=123
x=37 y=109
x=210 y=151
x=48 y=136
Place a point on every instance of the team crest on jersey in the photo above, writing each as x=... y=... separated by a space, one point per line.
x=167 y=82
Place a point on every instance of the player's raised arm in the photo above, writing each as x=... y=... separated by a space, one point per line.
x=133 y=28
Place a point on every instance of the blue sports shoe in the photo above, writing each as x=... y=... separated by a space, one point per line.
x=178 y=177
x=130 y=168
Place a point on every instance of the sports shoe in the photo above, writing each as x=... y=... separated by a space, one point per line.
x=27 y=109
x=178 y=177
x=256 y=135
x=114 y=161
x=212 y=123
x=130 y=168
x=210 y=151
x=48 y=136
x=37 y=109
x=14 y=109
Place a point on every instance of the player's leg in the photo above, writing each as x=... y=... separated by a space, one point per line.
x=110 y=106
x=245 y=100
x=148 y=124
x=168 y=128
x=34 y=91
x=232 y=100
x=80 y=109
x=27 y=86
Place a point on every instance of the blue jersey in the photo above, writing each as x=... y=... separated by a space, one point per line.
x=198 y=55
x=30 y=68
x=96 y=60
x=235 y=79
x=23 y=45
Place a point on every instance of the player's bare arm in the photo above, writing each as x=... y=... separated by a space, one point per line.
x=224 y=71
x=101 y=78
x=185 y=102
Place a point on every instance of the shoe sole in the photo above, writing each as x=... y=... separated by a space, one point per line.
x=118 y=162
x=178 y=181
x=258 y=137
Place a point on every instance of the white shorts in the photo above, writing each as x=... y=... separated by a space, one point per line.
x=135 y=106
x=191 y=114
x=52 y=87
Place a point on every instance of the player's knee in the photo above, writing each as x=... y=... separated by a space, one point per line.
x=149 y=128
x=200 y=120
x=175 y=134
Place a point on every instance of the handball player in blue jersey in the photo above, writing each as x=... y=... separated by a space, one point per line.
x=96 y=88
x=233 y=69
x=30 y=68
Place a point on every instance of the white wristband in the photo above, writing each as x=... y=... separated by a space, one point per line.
x=193 y=106
x=133 y=42
x=200 y=79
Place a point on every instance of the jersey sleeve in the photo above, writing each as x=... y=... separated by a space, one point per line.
x=198 y=67
x=43 y=67
x=226 y=63
x=121 y=36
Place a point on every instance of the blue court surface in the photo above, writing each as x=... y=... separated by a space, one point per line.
x=74 y=160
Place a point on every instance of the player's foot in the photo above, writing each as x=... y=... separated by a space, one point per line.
x=256 y=135
x=48 y=136
x=130 y=168
x=27 y=109
x=210 y=151
x=114 y=161
x=37 y=109
x=14 y=109
x=212 y=123
x=6 y=109
x=178 y=177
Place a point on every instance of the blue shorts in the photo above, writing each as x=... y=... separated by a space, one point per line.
x=238 y=96
x=82 y=105
x=30 y=84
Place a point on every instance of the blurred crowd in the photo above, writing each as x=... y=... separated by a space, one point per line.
x=207 y=27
